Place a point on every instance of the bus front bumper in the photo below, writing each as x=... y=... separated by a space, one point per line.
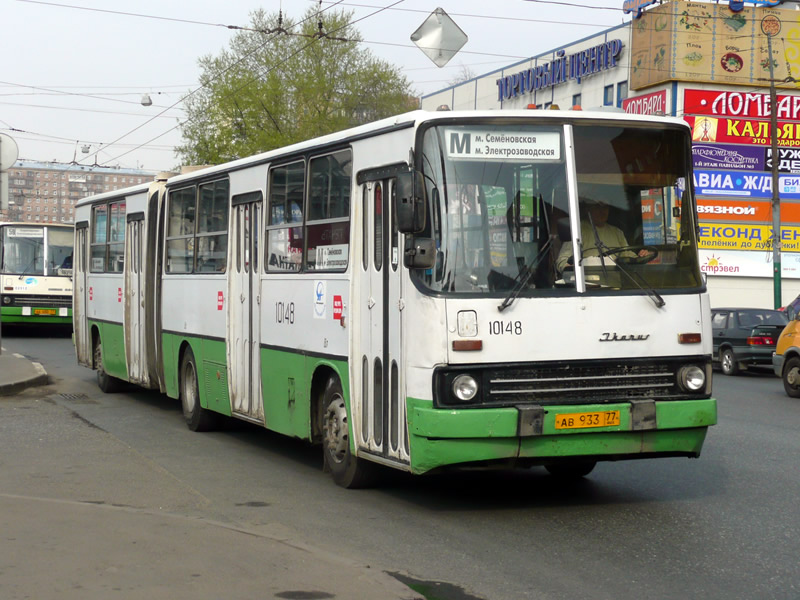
x=441 y=437
x=36 y=314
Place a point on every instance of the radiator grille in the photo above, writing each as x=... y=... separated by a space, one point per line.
x=39 y=301
x=579 y=382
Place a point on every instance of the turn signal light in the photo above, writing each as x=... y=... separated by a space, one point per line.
x=689 y=338
x=468 y=345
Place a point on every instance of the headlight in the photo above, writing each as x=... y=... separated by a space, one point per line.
x=465 y=387
x=6 y=299
x=692 y=378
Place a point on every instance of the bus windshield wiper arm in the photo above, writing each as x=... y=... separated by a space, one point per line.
x=28 y=266
x=522 y=278
x=604 y=250
x=637 y=280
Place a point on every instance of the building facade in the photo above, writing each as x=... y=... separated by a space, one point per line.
x=711 y=63
x=46 y=192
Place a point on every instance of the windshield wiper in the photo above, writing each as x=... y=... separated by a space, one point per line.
x=25 y=270
x=523 y=277
x=604 y=251
x=635 y=278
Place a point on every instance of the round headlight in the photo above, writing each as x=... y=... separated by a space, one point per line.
x=465 y=387
x=692 y=378
x=6 y=299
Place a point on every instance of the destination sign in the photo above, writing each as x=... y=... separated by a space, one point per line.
x=502 y=145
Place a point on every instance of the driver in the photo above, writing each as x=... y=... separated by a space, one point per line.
x=596 y=213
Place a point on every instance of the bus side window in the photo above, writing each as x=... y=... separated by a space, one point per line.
x=328 y=224
x=284 y=243
x=212 y=229
x=180 y=231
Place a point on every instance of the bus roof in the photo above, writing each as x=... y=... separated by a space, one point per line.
x=416 y=118
x=410 y=119
x=34 y=224
x=128 y=191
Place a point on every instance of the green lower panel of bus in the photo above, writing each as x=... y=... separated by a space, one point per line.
x=42 y=315
x=447 y=437
x=286 y=380
x=113 y=348
x=212 y=372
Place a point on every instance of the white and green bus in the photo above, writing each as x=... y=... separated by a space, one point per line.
x=35 y=274
x=393 y=292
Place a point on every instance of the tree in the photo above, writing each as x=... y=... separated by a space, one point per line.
x=463 y=75
x=282 y=82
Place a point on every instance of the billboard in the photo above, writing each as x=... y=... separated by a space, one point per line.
x=708 y=42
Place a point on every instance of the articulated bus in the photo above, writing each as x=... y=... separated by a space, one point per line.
x=423 y=292
x=36 y=274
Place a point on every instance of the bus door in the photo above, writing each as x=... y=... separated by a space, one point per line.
x=80 y=314
x=244 y=313
x=133 y=321
x=383 y=407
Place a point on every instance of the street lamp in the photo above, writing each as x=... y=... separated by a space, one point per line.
x=770 y=26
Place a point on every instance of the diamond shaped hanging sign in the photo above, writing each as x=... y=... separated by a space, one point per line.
x=439 y=37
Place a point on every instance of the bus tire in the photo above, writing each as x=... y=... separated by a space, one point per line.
x=347 y=470
x=106 y=383
x=197 y=418
x=571 y=470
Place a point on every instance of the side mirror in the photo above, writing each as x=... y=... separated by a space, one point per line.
x=419 y=253
x=410 y=206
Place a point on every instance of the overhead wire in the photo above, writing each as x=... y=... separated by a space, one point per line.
x=313 y=40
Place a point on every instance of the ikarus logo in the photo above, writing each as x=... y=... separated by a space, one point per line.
x=31 y=281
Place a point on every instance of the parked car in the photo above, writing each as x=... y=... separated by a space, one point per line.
x=786 y=359
x=745 y=337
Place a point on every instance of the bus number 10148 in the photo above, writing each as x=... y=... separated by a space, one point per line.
x=505 y=327
x=284 y=312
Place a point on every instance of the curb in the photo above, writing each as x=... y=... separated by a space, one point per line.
x=39 y=377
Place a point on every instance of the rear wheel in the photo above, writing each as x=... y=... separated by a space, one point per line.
x=727 y=362
x=347 y=470
x=106 y=383
x=791 y=377
x=197 y=417
x=571 y=470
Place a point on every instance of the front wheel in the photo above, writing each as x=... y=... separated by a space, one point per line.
x=728 y=362
x=791 y=377
x=197 y=417
x=347 y=470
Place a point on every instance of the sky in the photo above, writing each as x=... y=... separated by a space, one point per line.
x=74 y=71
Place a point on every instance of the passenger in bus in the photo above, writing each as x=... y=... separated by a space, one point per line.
x=594 y=227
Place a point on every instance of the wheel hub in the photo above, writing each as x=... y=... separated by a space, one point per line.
x=189 y=396
x=335 y=426
x=793 y=377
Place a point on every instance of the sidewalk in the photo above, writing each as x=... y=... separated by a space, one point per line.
x=18 y=373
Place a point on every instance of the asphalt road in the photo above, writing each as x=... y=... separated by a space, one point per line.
x=724 y=526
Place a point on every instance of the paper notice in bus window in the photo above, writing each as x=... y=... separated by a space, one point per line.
x=480 y=144
x=332 y=257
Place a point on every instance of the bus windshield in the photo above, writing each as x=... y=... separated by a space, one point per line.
x=24 y=251
x=500 y=210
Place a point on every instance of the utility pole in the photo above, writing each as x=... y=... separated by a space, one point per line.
x=776 y=197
